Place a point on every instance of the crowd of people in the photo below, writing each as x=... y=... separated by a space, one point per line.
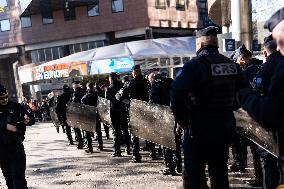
x=203 y=97
x=38 y=109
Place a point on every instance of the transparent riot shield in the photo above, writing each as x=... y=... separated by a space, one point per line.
x=104 y=110
x=53 y=116
x=152 y=122
x=247 y=127
x=81 y=116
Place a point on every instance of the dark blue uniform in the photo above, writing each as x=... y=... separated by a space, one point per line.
x=12 y=153
x=137 y=88
x=263 y=79
x=77 y=96
x=264 y=76
x=119 y=118
x=91 y=99
x=203 y=100
x=268 y=110
x=61 y=110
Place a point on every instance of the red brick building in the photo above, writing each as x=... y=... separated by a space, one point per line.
x=36 y=31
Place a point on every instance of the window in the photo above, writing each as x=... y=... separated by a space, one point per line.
x=92 y=45
x=47 y=17
x=160 y=4
x=85 y=46
x=34 y=56
x=41 y=55
x=93 y=10
x=5 y=25
x=100 y=44
x=77 y=48
x=180 y=5
x=69 y=12
x=46 y=12
x=55 y=53
x=48 y=54
x=26 y=21
x=3 y=3
x=117 y=6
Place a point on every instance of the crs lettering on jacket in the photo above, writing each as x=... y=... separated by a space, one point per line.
x=224 y=69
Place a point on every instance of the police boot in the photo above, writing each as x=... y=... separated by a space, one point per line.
x=100 y=148
x=136 y=159
x=80 y=145
x=128 y=150
x=116 y=154
x=167 y=171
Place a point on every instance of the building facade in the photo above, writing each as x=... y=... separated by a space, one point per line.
x=37 y=31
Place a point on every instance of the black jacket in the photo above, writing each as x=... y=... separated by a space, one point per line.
x=264 y=76
x=160 y=91
x=13 y=113
x=110 y=95
x=62 y=101
x=137 y=88
x=206 y=88
x=77 y=95
x=90 y=98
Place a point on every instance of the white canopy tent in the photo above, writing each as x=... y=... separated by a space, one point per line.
x=151 y=48
x=144 y=50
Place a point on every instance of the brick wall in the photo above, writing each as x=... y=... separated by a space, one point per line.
x=171 y=17
x=134 y=16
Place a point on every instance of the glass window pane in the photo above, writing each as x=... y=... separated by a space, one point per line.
x=55 y=53
x=92 y=45
x=48 y=54
x=85 y=46
x=41 y=56
x=117 y=6
x=34 y=56
x=93 y=10
x=60 y=49
x=26 y=22
x=71 y=49
x=77 y=47
x=47 y=17
x=160 y=4
x=180 y=5
x=100 y=44
x=177 y=60
x=3 y=3
x=5 y=25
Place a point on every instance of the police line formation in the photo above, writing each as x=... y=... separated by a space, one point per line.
x=202 y=103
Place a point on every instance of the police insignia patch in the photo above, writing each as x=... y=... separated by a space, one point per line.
x=224 y=69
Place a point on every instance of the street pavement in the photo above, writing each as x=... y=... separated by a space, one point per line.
x=51 y=163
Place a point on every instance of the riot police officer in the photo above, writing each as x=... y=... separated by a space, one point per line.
x=13 y=121
x=118 y=114
x=61 y=109
x=203 y=100
x=251 y=67
x=91 y=99
x=268 y=110
x=262 y=81
x=137 y=88
x=77 y=96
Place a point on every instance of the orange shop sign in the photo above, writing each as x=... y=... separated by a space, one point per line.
x=52 y=71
